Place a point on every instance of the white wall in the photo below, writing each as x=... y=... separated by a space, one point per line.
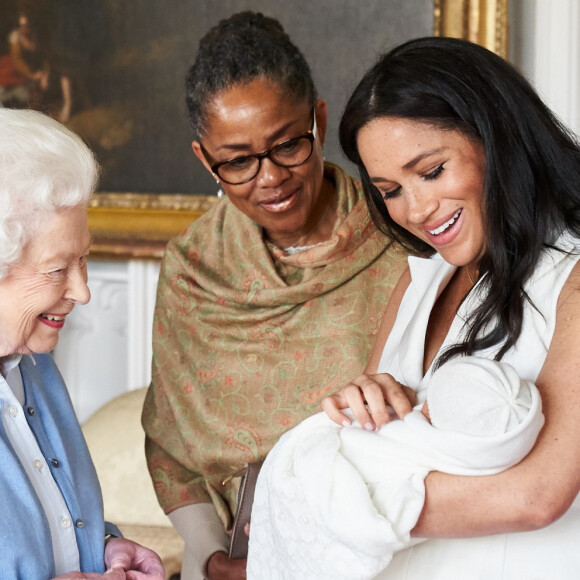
x=545 y=45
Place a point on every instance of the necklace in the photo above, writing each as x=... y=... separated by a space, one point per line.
x=469 y=276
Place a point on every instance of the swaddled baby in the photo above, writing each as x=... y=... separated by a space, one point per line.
x=337 y=502
x=478 y=396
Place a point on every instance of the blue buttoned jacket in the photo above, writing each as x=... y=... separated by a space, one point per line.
x=25 y=544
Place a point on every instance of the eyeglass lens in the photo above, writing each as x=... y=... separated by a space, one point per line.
x=288 y=154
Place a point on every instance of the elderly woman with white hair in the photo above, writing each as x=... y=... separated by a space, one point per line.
x=51 y=521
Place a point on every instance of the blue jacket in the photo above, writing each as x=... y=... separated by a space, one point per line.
x=25 y=543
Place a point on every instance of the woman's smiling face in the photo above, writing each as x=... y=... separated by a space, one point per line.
x=45 y=284
x=432 y=182
x=250 y=119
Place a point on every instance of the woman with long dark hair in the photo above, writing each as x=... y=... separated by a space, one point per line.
x=459 y=156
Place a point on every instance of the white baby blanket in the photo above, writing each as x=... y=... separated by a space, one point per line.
x=336 y=503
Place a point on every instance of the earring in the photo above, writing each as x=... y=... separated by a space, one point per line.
x=220 y=191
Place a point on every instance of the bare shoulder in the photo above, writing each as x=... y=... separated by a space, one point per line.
x=570 y=295
x=389 y=317
x=399 y=291
x=562 y=360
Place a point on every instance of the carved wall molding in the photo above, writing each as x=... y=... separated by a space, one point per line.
x=105 y=347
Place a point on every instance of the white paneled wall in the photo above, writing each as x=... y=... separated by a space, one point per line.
x=105 y=347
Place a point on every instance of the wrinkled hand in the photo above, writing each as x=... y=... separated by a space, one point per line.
x=138 y=562
x=367 y=397
x=221 y=567
x=117 y=574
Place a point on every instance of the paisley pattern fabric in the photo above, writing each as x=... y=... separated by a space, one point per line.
x=248 y=340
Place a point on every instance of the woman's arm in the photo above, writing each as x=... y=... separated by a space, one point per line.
x=206 y=544
x=203 y=533
x=530 y=495
x=389 y=317
x=540 y=489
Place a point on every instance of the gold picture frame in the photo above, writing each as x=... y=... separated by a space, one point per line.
x=138 y=225
x=484 y=22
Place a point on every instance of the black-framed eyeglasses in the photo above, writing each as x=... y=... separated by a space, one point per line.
x=290 y=153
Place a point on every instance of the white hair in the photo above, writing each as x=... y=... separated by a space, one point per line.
x=44 y=167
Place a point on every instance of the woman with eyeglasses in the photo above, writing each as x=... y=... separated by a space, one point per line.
x=269 y=301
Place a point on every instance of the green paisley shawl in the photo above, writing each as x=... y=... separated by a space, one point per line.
x=248 y=340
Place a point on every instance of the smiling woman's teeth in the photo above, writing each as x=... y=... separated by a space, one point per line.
x=446 y=225
x=281 y=205
x=52 y=317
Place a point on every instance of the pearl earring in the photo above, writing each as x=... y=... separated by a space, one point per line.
x=220 y=191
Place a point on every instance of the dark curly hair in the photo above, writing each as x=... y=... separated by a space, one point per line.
x=244 y=47
x=532 y=175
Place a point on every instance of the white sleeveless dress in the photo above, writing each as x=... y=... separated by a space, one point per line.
x=552 y=553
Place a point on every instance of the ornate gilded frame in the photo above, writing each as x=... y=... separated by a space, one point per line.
x=133 y=225
x=482 y=21
x=139 y=225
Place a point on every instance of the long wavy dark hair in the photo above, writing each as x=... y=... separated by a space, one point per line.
x=532 y=175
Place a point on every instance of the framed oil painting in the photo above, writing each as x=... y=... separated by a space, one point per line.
x=114 y=72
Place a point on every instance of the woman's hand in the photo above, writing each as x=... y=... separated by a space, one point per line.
x=125 y=560
x=117 y=574
x=138 y=562
x=222 y=567
x=368 y=397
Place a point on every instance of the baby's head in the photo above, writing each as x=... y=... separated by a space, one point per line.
x=477 y=396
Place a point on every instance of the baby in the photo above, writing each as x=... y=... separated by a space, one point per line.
x=477 y=396
x=335 y=502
